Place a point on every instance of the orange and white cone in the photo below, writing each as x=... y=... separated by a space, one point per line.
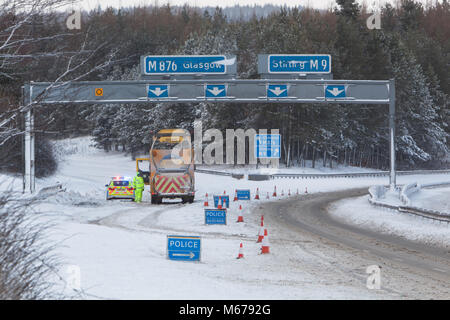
x=297 y=191
x=274 y=192
x=241 y=252
x=235 y=196
x=257 y=194
x=224 y=192
x=265 y=247
x=240 y=217
x=205 y=204
x=219 y=203
x=306 y=189
x=289 y=192
x=261 y=231
x=282 y=192
x=267 y=197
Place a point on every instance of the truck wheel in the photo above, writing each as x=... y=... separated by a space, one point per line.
x=191 y=199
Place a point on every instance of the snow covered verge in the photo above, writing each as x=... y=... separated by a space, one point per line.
x=120 y=246
x=389 y=221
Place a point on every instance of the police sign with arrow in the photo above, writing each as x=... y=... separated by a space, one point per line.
x=185 y=248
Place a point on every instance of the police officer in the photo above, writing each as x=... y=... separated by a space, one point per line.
x=138 y=184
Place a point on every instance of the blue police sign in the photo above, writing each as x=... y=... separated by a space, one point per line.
x=215 y=216
x=185 y=248
x=162 y=65
x=299 y=63
x=224 y=200
x=277 y=91
x=335 y=91
x=158 y=91
x=243 y=194
x=215 y=91
x=267 y=146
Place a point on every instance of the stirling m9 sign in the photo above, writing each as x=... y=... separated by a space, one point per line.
x=299 y=63
x=186 y=65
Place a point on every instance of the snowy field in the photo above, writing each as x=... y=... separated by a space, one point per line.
x=120 y=246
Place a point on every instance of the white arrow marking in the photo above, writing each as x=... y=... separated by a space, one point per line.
x=157 y=91
x=190 y=255
x=277 y=91
x=335 y=91
x=215 y=90
x=226 y=62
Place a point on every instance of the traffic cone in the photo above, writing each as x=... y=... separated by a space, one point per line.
x=235 y=195
x=240 y=217
x=261 y=231
x=274 y=192
x=265 y=245
x=267 y=197
x=282 y=192
x=289 y=192
x=306 y=189
x=297 y=191
x=205 y=204
x=224 y=192
x=219 y=203
x=257 y=194
x=241 y=253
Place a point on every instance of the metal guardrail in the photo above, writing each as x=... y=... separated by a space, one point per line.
x=353 y=174
x=422 y=212
x=330 y=175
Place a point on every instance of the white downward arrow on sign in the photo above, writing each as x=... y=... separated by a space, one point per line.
x=277 y=91
x=157 y=91
x=335 y=91
x=215 y=90
x=190 y=255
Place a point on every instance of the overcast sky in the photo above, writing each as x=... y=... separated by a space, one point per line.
x=319 y=4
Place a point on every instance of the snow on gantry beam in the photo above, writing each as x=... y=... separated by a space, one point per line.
x=219 y=90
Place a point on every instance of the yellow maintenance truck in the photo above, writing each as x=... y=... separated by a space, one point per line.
x=171 y=166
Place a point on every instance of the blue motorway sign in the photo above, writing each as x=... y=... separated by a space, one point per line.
x=215 y=216
x=224 y=200
x=243 y=194
x=277 y=91
x=158 y=91
x=160 y=65
x=335 y=91
x=267 y=146
x=185 y=248
x=215 y=91
x=299 y=63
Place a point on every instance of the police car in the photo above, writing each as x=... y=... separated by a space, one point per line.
x=120 y=188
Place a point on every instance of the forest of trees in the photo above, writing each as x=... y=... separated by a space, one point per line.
x=412 y=46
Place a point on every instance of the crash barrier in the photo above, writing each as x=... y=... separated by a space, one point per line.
x=51 y=189
x=354 y=174
x=407 y=190
x=422 y=212
x=261 y=177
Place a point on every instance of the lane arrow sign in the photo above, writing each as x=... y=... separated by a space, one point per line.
x=336 y=91
x=190 y=255
x=158 y=91
x=215 y=91
x=277 y=91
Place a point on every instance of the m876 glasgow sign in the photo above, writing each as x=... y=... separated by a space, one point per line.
x=166 y=65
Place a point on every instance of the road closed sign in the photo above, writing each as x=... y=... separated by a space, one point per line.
x=184 y=248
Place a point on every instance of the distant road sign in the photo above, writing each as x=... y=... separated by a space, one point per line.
x=185 y=248
x=335 y=91
x=267 y=146
x=224 y=200
x=215 y=91
x=299 y=63
x=163 y=65
x=277 y=91
x=243 y=194
x=215 y=216
x=158 y=91
x=99 y=92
